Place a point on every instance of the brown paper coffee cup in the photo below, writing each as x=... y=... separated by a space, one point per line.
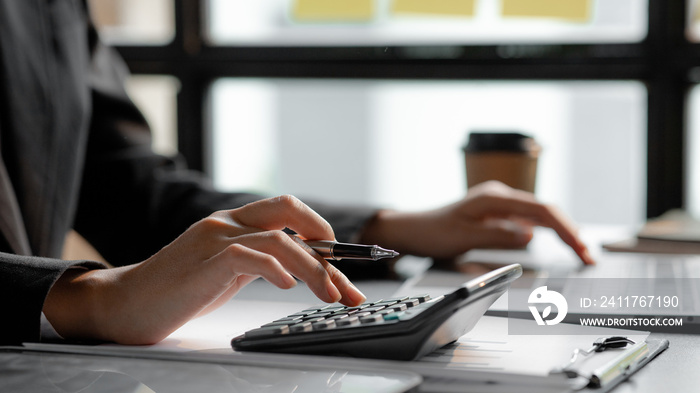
x=510 y=158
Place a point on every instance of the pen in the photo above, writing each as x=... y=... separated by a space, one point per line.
x=336 y=251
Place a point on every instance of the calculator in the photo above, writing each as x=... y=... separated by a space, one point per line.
x=401 y=328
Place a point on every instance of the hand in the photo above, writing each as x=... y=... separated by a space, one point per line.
x=199 y=271
x=491 y=215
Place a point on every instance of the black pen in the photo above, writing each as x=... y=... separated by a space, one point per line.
x=336 y=251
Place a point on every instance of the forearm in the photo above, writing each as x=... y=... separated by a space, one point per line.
x=120 y=305
x=74 y=305
x=434 y=233
x=400 y=231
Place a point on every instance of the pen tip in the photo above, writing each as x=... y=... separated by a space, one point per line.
x=380 y=253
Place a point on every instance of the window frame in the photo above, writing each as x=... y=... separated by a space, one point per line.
x=664 y=61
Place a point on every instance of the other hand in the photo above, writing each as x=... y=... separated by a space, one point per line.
x=492 y=215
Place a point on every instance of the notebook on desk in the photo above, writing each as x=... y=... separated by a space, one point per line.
x=674 y=232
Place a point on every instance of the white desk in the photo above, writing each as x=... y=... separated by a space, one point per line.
x=673 y=370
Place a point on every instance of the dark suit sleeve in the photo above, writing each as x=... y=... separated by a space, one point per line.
x=25 y=283
x=133 y=202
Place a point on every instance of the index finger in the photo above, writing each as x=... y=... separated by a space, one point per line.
x=281 y=212
x=524 y=205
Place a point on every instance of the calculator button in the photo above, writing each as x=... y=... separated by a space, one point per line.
x=373 y=309
x=411 y=302
x=301 y=327
x=398 y=307
x=267 y=331
x=323 y=325
x=279 y=323
x=301 y=314
x=385 y=311
x=422 y=298
x=351 y=310
x=385 y=303
x=413 y=311
x=314 y=309
x=314 y=320
x=317 y=315
x=372 y=318
x=349 y=321
x=435 y=300
x=393 y=316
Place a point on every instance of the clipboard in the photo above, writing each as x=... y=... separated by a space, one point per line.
x=614 y=374
x=606 y=376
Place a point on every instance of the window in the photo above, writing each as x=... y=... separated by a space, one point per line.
x=410 y=22
x=693 y=18
x=640 y=54
x=398 y=143
x=156 y=96
x=692 y=149
x=148 y=23
x=134 y=22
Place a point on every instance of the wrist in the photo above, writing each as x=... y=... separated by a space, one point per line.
x=72 y=306
x=394 y=230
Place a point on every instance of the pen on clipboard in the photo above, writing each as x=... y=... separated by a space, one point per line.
x=615 y=370
x=621 y=367
x=336 y=251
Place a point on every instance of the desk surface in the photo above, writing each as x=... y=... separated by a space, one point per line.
x=671 y=371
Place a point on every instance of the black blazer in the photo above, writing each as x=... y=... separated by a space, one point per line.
x=75 y=153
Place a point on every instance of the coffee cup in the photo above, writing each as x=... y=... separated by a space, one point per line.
x=509 y=157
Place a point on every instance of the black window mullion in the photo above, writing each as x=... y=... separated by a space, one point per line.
x=667 y=89
x=193 y=85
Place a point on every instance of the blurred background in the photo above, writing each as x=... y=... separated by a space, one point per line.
x=371 y=101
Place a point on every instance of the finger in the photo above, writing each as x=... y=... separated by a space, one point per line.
x=282 y=212
x=351 y=296
x=240 y=282
x=553 y=218
x=297 y=260
x=238 y=259
x=521 y=204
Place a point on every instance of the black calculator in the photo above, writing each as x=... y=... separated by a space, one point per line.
x=402 y=328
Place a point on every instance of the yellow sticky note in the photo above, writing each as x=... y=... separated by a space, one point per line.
x=578 y=10
x=434 y=7
x=333 y=10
